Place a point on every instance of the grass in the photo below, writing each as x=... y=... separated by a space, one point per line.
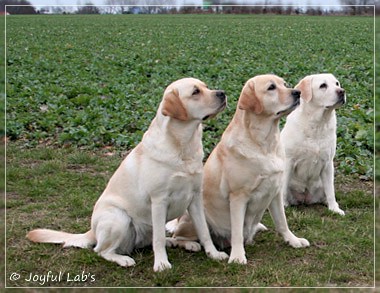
x=81 y=90
x=2 y=150
x=44 y=191
x=377 y=143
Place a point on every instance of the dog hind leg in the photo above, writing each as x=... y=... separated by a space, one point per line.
x=115 y=235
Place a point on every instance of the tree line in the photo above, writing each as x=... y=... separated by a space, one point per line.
x=349 y=7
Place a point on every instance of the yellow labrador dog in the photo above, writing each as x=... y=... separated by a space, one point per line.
x=156 y=182
x=244 y=174
x=309 y=137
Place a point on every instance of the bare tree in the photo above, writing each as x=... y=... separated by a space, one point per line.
x=119 y=6
x=277 y=8
x=288 y=10
x=159 y=5
x=146 y=6
x=89 y=8
x=111 y=8
x=358 y=7
x=17 y=9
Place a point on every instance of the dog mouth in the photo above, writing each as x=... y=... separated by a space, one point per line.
x=220 y=109
x=290 y=109
x=338 y=104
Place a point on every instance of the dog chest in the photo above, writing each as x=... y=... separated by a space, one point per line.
x=182 y=187
x=313 y=158
x=268 y=188
x=262 y=196
x=261 y=190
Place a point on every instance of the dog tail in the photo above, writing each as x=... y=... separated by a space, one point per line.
x=85 y=240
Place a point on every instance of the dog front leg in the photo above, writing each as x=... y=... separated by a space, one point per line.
x=159 y=212
x=328 y=185
x=276 y=209
x=196 y=211
x=237 y=213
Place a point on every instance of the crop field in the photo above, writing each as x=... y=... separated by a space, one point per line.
x=81 y=91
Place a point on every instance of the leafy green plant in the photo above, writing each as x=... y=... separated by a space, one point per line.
x=94 y=81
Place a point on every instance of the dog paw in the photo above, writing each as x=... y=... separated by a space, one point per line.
x=127 y=261
x=337 y=210
x=161 y=266
x=298 y=242
x=171 y=242
x=238 y=259
x=261 y=227
x=121 y=260
x=218 y=255
x=193 y=246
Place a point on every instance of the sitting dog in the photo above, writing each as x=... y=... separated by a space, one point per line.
x=244 y=174
x=158 y=181
x=309 y=137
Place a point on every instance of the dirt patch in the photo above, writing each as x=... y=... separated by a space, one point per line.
x=347 y=184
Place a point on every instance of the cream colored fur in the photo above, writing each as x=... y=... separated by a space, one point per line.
x=309 y=137
x=158 y=181
x=243 y=177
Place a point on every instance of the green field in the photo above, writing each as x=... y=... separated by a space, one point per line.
x=81 y=91
x=94 y=81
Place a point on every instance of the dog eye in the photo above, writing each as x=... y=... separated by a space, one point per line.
x=323 y=86
x=196 y=91
x=272 y=87
x=337 y=83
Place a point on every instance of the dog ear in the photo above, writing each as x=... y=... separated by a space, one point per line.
x=173 y=107
x=248 y=99
x=305 y=87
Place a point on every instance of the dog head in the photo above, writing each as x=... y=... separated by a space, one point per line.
x=190 y=99
x=322 y=90
x=268 y=95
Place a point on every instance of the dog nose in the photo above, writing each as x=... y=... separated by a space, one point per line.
x=341 y=93
x=221 y=95
x=296 y=94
